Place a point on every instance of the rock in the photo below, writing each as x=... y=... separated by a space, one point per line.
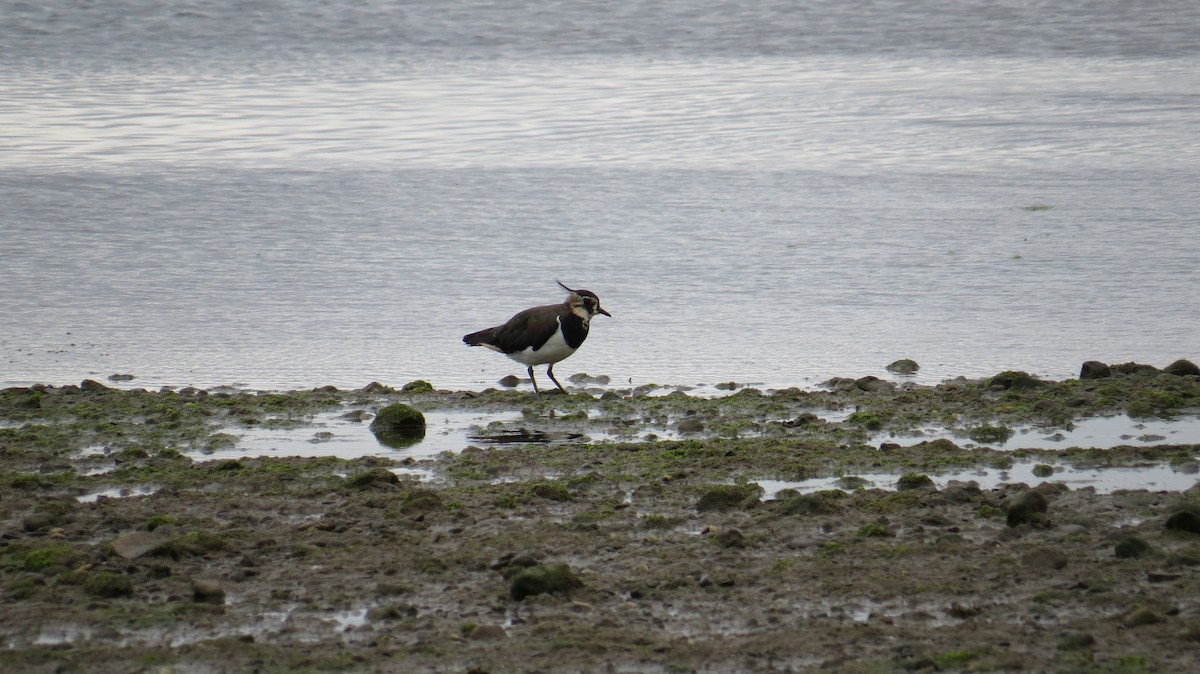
x=417 y=386
x=729 y=496
x=802 y=419
x=904 y=366
x=820 y=503
x=377 y=388
x=1133 y=368
x=40 y=521
x=1027 y=507
x=873 y=384
x=372 y=477
x=511 y=381
x=1094 y=369
x=207 y=591
x=93 y=386
x=1141 y=616
x=108 y=585
x=962 y=492
x=1047 y=407
x=398 y=425
x=511 y=563
x=487 y=632
x=392 y=612
x=1043 y=470
x=1182 y=368
x=1184 y=519
x=1131 y=546
x=398 y=418
x=915 y=481
x=731 y=538
x=1045 y=559
x=838 y=384
x=692 y=424
x=852 y=483
x=543 y=579
x=120 y=377
x=1014 y=380
x=1076 y=641
x=138 y=544
x=585 y=378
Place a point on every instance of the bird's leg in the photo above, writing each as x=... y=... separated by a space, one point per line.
x=550 y=372
x=534 y=379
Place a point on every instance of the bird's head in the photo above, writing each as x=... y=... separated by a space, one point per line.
x=584 y=303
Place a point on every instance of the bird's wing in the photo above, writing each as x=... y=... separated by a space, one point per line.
x=531 y=327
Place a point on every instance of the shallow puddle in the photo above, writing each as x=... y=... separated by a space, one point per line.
x=333 y=435
x=1161 y=477
x=1093 y=432
x=116 y=492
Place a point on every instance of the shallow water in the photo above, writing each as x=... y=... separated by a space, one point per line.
x=292 y=194
x=451 y=431
x=1097 y=432
x=1104 y=480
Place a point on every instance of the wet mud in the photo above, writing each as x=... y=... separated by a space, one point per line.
x=630 y=530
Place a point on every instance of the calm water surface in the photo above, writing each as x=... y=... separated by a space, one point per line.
x=291 y=194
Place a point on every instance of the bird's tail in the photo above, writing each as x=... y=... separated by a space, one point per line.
x=481 y=338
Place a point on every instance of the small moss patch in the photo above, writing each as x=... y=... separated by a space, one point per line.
x=729 y=497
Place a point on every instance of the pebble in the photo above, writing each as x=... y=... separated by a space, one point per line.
x=207 y=591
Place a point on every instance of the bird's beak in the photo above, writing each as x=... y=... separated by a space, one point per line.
x=601 y=311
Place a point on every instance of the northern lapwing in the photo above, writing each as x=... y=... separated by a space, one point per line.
x=543 y=335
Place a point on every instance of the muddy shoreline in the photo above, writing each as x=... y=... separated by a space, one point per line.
x=126 y=546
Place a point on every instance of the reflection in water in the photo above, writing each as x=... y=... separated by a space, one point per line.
x=451 y=431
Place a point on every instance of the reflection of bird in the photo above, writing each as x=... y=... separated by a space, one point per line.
x=543 y=335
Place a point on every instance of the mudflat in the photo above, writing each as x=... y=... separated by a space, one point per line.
x=663 y=547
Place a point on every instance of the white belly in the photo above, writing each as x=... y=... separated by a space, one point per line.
x=554 y=350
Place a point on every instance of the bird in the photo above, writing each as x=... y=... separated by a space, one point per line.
x=543 y=335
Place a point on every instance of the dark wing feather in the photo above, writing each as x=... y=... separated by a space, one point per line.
x=531 y=327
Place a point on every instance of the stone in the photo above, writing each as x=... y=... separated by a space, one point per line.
x=553 y=578
x=1027 y=507
x=398 y=426
x=488 y=632
x=207 y=591
x=1014 y=380
x=1141 y=616
x=93 y=386
x=1133 y=368
x=873 y=384
x=1184 y=519
x=1045 y=559
x=904 y=366
x=731 y=538
x=1131 y=546
x=691 y=424
x=108 y=585
x=729 y=497
x=1076 y=641
x=1094 y=369
x=1182 y=368
x=138 y=544
x=511 y=381
x=372 y=477
x=820 y=503
x=392 y=612
x=915 y=481
x=1043 y=470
